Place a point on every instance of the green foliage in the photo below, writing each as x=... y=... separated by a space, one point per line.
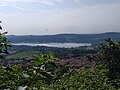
x=18 y=52
x=39 y=74
x=22 y=55
x=47 y=75
x=85 y=79
x=3 y=43
x=110 y=56
x=44 y=58
x=11 y=77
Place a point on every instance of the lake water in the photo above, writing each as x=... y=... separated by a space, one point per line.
x=59 y=45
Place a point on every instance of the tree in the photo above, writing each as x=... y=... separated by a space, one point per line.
x=110 y=57
x=4 y=43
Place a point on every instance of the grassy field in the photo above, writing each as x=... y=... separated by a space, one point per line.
x=22 y=54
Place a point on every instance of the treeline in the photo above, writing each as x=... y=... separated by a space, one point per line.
x=58 y=52
x=62 y=38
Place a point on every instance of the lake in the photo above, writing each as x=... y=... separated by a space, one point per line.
x=59 y=45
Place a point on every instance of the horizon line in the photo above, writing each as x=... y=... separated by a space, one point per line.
x=57 y=34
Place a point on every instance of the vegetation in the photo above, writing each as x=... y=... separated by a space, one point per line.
x=110 y=57
x=18 y=52
x=46 y=74
x=22 y=55
x=3 y=43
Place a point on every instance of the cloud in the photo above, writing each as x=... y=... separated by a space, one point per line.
x=26 y=5
x=46 y=2
x=77 y=1
x=11 y=1
x=3 y=5
x=18 y=7
x=90 y=19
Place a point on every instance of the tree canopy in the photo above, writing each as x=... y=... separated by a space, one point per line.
x=4 y=43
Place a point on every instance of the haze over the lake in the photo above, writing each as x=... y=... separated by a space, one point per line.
x=27 y=17
x=58 y=45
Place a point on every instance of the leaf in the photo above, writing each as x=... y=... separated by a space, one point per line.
x=43 y=58
x=0 y=27
x=45 y=74
x=6 y=52
x=2 y=57
x=4 y=33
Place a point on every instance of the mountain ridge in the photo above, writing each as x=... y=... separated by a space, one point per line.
x=61 y=38
x=68 y=34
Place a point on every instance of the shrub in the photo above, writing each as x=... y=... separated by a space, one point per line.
x=110 y=57
x=4 y=44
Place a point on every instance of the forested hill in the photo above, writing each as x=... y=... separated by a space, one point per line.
x=60 y=38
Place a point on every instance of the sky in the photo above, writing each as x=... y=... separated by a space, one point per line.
x=46 y=17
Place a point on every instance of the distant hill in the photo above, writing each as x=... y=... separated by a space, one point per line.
x=61 y=38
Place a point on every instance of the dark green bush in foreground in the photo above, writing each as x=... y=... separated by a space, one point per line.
x=49 y=76
x=110 y=57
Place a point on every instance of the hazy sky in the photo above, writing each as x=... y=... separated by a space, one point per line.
x=60 y=16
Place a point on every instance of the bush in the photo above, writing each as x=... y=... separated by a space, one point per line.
x=85 y=79
x=43 y=77
x=110 y=57
x=3 y=44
